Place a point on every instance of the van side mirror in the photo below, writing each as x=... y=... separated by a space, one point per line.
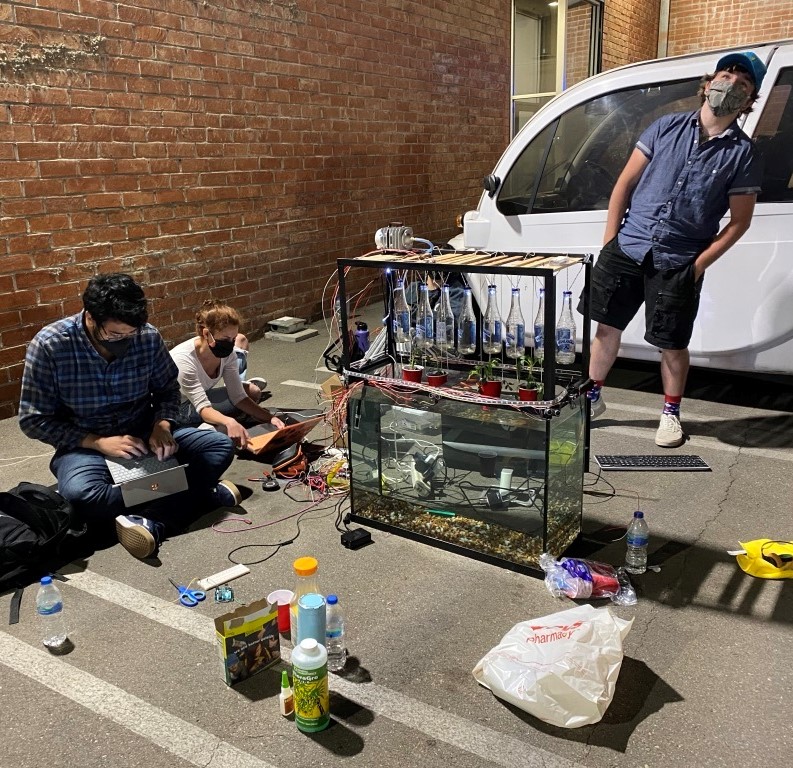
x=491 y=183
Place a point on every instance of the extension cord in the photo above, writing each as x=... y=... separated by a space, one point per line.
x=223 y=577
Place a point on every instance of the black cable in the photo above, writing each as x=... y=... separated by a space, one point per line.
x=279 y=544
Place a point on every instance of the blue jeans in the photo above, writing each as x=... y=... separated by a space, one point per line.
x=84 y=479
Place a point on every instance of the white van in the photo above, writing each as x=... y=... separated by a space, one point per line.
x=550 y=190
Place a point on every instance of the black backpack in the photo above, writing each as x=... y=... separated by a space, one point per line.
x=34 y=522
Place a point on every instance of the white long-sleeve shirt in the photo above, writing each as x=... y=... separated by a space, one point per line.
x=194 y=381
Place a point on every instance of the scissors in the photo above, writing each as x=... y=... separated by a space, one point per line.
x=189 y=597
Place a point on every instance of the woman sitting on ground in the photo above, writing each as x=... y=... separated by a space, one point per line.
x=204 y=360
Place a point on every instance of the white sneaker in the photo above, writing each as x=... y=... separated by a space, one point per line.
x=258 y=381
x=598 y=407
x=670 y=432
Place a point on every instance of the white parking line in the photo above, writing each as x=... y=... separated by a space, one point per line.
x=303 y=384
x=491 y=745
x=171 y=733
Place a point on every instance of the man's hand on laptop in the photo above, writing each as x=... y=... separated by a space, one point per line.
x=161 y=441
x=277 y=423
x=116 y=446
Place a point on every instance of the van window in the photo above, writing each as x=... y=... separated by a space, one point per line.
x=572 y=164
x=774 y=138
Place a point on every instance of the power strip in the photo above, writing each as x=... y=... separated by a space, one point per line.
x=223 y=577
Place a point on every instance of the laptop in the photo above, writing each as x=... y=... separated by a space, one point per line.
x=145 y=479
x=266 y=438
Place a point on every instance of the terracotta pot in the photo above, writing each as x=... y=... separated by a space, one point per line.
x=413 y=373
x=436 y=379
x=490 y=388
x=527 y=394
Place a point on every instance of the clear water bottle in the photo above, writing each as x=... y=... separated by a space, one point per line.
x=401 y=314
x=425 y=320
x=334 y=636
x=466 y=325
x=516 y=328
x=491 y=325
x=444 y=322
x=565 y=331
x=49 y=606
x=638 y=538
x=539 y=329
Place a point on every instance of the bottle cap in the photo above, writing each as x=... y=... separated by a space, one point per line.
x=46 y=580
x=638 y=514
x=305 y=566
x=309 y=644
x=284 y=679
x=332 y=600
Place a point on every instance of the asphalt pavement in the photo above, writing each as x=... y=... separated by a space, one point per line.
x=706 y=672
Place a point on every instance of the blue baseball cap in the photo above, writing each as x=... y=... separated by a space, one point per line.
x=749 y=61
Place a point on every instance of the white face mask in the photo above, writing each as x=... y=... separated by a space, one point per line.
x=724 y=97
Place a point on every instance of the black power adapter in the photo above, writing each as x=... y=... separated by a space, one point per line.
x=356 y=538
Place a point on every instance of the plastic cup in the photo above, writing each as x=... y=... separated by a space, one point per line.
x=282 y=598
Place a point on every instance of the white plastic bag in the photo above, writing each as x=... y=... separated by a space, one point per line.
x=560 y=668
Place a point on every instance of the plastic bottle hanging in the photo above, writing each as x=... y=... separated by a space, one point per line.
x=516 y=328
x=565 y=332
x=491 y=325
x=401 y=314
x=425 y=320
x=539 y=329
x=444 y=322
x=466 y=326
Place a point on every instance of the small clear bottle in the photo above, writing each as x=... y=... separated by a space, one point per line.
x=49 y=607
x=491 y=324
x=638 y=538
x=306 y=574
x=425 y=320
x=516 y=328
x=401 y=314
x=444 y=322
x=466 y=325
x=539 y=329
x=565 y=331
x=334 y=636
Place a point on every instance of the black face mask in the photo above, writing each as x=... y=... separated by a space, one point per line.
x=222 y=348
x=117 y=348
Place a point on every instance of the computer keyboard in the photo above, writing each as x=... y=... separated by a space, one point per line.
x=657 y=463
x=124 y=470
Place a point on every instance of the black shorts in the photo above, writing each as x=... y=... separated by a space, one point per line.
x=670 y=296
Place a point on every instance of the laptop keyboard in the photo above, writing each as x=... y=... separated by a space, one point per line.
x=124 y=470
x=658 y=463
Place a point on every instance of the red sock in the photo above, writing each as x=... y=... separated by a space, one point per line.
x=672 y=404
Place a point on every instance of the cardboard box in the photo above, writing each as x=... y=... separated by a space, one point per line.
x=248 y=640
x=332 y=385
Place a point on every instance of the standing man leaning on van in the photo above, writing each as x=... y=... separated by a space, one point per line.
x=662 y=232
x=101 y=383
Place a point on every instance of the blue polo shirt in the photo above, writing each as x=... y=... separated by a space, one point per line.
x=683 y=193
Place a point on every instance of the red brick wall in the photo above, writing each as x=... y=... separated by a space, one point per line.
x=695 y=25
x=630 y=31
x=232 y=148
x=577 y=44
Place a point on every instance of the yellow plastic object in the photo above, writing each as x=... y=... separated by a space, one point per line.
x=767 y=559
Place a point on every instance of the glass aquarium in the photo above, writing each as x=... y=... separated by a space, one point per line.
x=493 y=482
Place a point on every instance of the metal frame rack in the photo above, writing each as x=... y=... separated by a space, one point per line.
x=563 y=387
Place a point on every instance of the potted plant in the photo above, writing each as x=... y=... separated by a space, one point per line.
x=436 y=377
x=529 y=388
x=411 y=371
x=485 y=372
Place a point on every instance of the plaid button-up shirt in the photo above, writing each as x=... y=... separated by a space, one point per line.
x=69 y=390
